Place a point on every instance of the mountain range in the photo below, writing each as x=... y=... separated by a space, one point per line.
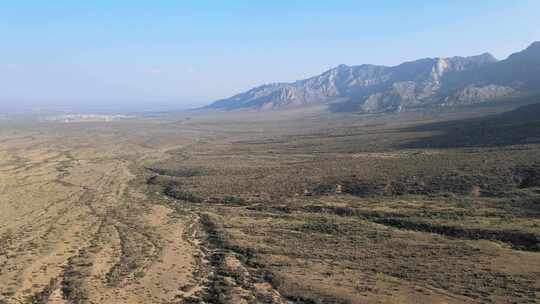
x=417 y=84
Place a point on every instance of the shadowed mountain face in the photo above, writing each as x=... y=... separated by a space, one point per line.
x=416 y=84
x=519 y=126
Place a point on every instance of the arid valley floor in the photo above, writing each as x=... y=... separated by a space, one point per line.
x=274 y=208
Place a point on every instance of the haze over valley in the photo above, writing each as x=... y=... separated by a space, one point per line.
x=283 y=152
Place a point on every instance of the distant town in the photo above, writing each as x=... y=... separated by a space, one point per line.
x=73 y=118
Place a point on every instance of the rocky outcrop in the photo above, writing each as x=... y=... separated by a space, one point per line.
x=474 y=94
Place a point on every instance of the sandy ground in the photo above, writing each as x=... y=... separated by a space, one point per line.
x=72 y=228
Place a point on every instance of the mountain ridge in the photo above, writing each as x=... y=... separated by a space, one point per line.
x=419 y=83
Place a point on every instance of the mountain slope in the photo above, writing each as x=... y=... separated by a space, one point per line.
x=520 y=71
x=420 y=83
x=519 y=126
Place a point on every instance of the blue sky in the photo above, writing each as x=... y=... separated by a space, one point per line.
x=180 y=53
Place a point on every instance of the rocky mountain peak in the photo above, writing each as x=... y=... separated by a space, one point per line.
x=413 y=84
x=534 y=46
x=484 y=58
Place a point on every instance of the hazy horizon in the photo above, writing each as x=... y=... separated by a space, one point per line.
x=163 y=55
